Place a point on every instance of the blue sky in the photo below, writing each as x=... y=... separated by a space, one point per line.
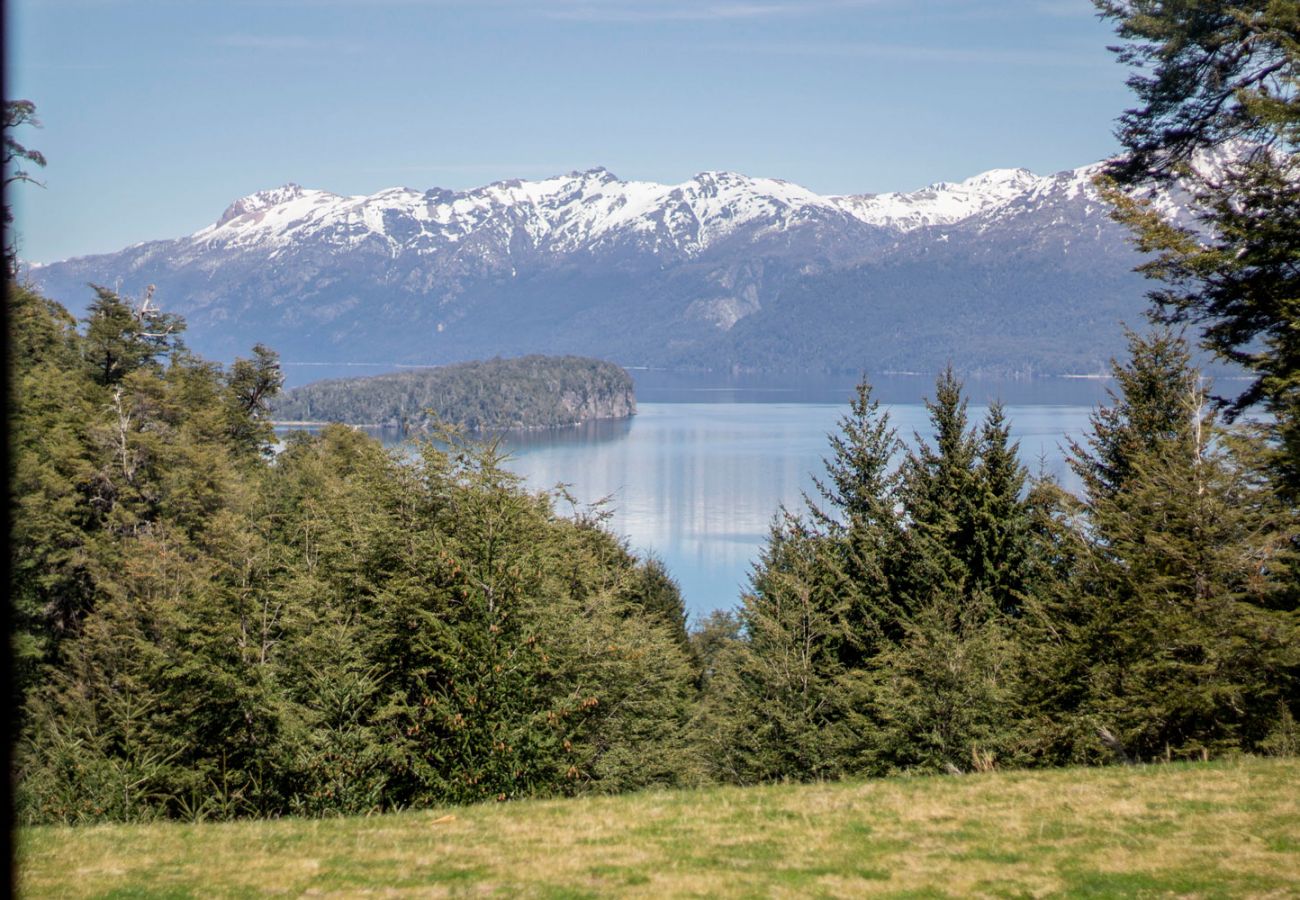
x=158 y=113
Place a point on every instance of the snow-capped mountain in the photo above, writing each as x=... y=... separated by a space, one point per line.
x=581 y=211
x=721 y=270
x=594 y=210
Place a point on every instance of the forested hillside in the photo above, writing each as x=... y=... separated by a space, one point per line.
x=529 y=392
x=204 y=630
x=951 y=613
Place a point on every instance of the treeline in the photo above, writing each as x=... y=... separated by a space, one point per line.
x=204 y=630
x=526 y=392
x=201 y=629
x=951 y=614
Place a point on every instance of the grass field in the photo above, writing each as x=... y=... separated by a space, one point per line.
x=1223 y=829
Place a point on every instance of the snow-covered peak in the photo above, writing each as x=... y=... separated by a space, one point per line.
x=734 y=185
x=943 y=202
x=255 y=203
x=269 y=211
x=1068 y=185
x=1005 y=182
x=586 y=210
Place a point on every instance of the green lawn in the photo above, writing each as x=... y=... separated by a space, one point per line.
x=1223 y=829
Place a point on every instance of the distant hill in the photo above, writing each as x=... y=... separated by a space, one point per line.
x=528 y=392
x=1005 y=272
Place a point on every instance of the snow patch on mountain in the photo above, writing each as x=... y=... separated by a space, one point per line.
x=941 y=203
x=594 y=210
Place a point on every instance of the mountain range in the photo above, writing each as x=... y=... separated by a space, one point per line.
x=1005 y=272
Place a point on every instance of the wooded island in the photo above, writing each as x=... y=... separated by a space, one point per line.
x=496 y=394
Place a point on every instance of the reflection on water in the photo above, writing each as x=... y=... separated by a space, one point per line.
x=676 y=387
x=697 y=482
x=515 y=442
x=588 y=434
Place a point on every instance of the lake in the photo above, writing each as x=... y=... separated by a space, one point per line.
x=698 y=474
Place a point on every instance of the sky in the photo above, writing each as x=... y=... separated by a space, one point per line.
x=157 y=114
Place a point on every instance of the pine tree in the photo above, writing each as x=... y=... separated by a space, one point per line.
x=1214 y=77
x=655 y=594
x=939 y=495
x=1162 y=639
x=966 y=516
x=942 y=698
x=999 y=560
x=822 y=604
x=1145 y=412
x=861 y=526
x=772 y=700
x=938 y=696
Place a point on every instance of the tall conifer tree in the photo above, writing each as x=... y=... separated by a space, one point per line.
x=1164 y=627
x=1222 y=80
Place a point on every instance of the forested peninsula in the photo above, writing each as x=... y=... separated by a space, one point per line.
x=497 y=394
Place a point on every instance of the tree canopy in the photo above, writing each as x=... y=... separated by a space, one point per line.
x=17 y=158
x=1219 y=92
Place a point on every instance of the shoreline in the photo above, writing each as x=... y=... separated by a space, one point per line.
x=393 y=427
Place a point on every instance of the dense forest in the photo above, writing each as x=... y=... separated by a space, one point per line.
x=526 y=392
x=204 y=629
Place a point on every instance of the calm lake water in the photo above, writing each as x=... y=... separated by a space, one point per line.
x=697 y=475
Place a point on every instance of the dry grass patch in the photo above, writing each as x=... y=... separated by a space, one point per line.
x=1209 y=830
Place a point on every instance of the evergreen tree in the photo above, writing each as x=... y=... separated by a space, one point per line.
x=1208 y=75
x=1000 y=558
x=942 y=698
x=251 y=385
x=967 y=520
x=861 y=472
x=655 y=594
x=16 y=114
x=939 y=500
x=51 y=460
x=861 y=525
x=121 y=338
x=822 y=604
x=937 y=697
x=1145 y=411
x=772 y=700
x=1164 y=637
x=711 y=640
x=503 y=652
x=1205 y=73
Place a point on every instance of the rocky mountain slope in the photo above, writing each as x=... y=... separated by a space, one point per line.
x=1005 y=271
